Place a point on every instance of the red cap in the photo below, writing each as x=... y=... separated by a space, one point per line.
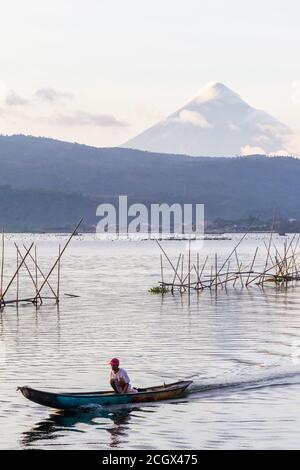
x=114 y=361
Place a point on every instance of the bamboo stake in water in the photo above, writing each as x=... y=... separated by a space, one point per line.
x=239 y=266
x=16 y=272
x=286 y=265
x=62 y=252
x=270 y=256
x=231 y=253
x=17 y=278
x=189 y=282
x=172 y=290
x=202 y=269
x=170 y=262
x=41 y=272
x=182 y=270
x=227 y=275
x=269 y=247
x=265 y=272
x=182 y=264
x=161 y=271
x=216 y=272
x=252 y=264
x=58 y=276
x=2 y=267
x=28 y=270
x=198 y=268
x=36 y=274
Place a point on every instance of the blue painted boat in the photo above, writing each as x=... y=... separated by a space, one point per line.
x=65 y=401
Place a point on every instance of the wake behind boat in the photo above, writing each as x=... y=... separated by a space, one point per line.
x=64 y=401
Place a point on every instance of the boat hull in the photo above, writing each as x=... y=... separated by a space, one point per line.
x=64 y=401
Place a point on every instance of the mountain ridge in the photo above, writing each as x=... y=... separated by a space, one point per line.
x=42 y=177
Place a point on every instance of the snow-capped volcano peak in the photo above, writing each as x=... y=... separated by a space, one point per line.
x=216 y=122
x=214 y=90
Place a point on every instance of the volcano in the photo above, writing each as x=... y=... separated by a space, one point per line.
x=217 y=122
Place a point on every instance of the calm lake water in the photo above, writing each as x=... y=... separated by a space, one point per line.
x=240 y=349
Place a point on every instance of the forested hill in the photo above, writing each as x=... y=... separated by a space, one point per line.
x=48 y=183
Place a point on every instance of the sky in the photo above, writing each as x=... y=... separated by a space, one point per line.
x=99 y=72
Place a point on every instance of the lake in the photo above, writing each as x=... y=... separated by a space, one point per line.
x=240 y=348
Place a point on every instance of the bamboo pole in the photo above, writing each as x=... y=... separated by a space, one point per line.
x=172 y=290
x=28 y=270
x=231 y=253
x=197 y=276
x=62 y=252
x=227 y=275
x=270 y=256
x=265 y=272
x=229 y=256
x=285 y=262
x=41 y=272
x=189 y=266
x=239 y=266
x=186 y=277
x=2 y=267
x=270 y=241
x=17 y=277
x=294 y=264
x=296 y=244
x=58 y=276
x=198 y=265
x=170 y=262
x=203 y=267
x=252 y=265
x=161 y=270
x=182 y=269
x=216 y=272
x=198 y=283
x=36 y=274
x=15 y=274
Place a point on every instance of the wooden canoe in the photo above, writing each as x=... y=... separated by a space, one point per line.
x=64 y=401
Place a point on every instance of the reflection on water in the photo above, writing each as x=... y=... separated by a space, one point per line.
x=60 y=422
x=240 y=349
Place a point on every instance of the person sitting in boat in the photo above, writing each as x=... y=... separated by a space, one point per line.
x=119 y=379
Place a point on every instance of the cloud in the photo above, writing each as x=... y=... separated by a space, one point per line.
x=49 y=95
x=191 y=117
x=262 y=139
x=274 y=129
x=83 y=118
x=248 y=150
x=12 y=99
x=292 y=144
x=52 y=96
